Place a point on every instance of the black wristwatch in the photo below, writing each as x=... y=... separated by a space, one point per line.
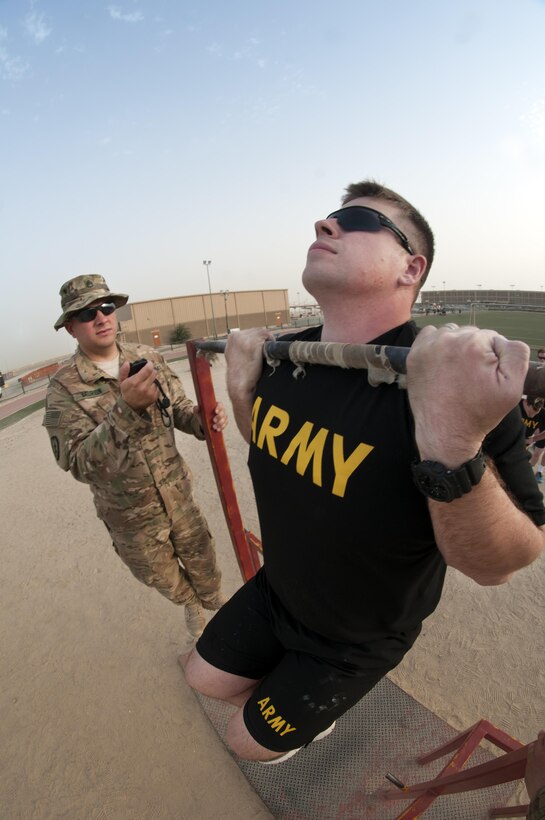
x=442 y=484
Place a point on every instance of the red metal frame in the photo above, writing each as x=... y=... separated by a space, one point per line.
x=510 y=811
x=245 y=543
x=510 y=766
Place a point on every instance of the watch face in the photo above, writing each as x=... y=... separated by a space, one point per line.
x=436 y=481
x=439 y=491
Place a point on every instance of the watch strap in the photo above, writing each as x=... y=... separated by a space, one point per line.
x=471 y=472
x=442 y=483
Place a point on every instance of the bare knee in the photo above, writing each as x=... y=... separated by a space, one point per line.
x=203 y=677
x=215 y=683
x=195 y=675
x=208 y=680
x=240 y=741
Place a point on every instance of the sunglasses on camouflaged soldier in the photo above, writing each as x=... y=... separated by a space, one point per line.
x=90 y=314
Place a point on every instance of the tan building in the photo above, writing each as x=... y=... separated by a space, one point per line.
x=203 y=314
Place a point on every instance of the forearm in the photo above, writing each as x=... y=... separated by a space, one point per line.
x=244 y=356
x=183 y=409
x=92 y=449
x=483 y=534
x=185 y=418
x=241 y=400
x=102 y=453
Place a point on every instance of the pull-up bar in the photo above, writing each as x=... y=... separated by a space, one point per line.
x=385 y=364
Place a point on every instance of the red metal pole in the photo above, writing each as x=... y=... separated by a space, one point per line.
x=243 y=542
x=482 y=729
x=510 y=766
x=451 y=780
x=510 y=811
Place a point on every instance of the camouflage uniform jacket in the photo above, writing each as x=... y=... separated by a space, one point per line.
x=128 y=458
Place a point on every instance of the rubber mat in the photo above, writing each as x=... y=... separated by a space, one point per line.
x=341 y=776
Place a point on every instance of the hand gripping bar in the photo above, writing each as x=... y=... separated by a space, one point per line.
x=386 y=364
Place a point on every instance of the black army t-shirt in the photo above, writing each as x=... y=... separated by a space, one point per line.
x=348 y=543
x=532 y=424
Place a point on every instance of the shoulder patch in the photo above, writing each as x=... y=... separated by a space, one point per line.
x=52 y=418
x=55 y=446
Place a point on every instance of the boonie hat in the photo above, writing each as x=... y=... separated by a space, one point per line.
x=79 y=292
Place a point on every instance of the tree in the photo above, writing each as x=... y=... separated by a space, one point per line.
x=179 y=335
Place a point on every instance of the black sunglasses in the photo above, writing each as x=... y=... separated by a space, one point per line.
x=360 y=218
x=90 y=314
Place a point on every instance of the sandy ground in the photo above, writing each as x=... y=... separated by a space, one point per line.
x=97 y=721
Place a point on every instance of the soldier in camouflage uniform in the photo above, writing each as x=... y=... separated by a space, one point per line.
x=110 y=431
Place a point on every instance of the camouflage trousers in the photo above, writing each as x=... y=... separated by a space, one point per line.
x=175 y=556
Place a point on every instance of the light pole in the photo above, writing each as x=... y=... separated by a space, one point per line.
x=225 y=295
x=207 y=263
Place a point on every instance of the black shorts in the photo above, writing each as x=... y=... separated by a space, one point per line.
x=306 y=681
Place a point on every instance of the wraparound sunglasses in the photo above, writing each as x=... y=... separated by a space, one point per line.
x=361 y=218
x=90 y=314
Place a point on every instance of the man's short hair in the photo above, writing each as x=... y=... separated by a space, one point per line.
x=420 y=234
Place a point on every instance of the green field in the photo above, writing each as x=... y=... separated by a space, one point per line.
x=528 y=327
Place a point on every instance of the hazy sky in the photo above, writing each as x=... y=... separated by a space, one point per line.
x=140 y=137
